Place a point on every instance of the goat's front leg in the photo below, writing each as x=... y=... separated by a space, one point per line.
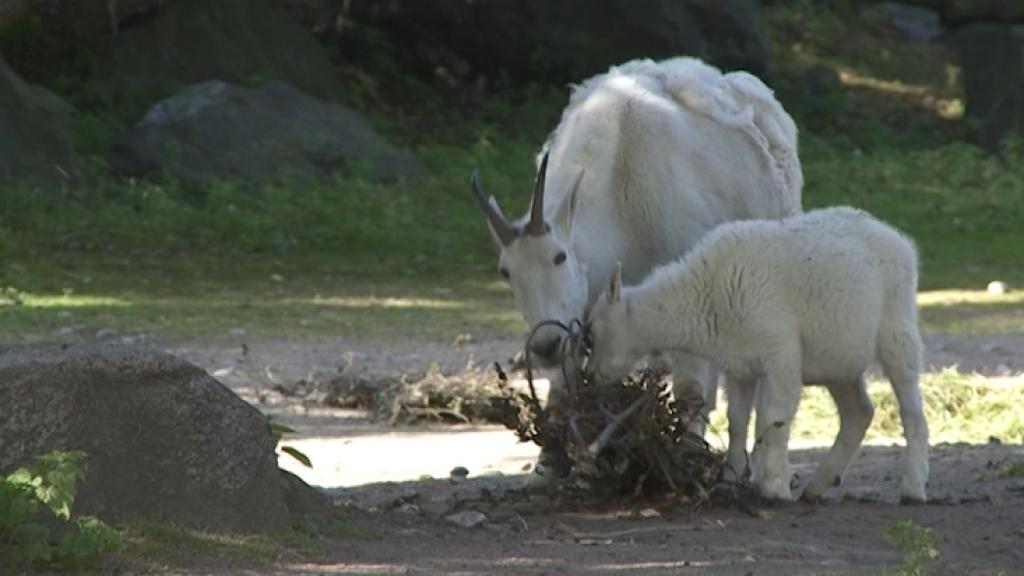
x=740 y=394
x=694 y=384
x=777 y=398
x=556 y=405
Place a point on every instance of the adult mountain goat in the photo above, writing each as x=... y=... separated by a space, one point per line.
x=646 y=159
x=812 y=299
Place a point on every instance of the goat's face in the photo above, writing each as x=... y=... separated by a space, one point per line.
x=548 y=283
x=614 y=350
x=538 y=261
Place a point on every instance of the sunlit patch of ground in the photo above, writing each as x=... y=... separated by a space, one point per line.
x=974 y=312
x=404 y=454
x=959 y=408
x=401 y=308
x=922 y=95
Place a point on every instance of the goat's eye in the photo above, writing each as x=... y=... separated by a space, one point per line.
x=505 y=273
x=559 y=258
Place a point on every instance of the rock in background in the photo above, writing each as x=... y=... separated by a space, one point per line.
x=163 y=439
x=992 y=57
x=989 y=37
x=271 y=132
x=526 y=41
x=189 y=41
x=117 y=59
x=35 y=134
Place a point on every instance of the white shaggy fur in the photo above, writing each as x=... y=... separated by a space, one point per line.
x=813 y=299
x=667 y=151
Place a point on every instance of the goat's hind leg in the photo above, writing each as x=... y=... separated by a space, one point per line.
x=900 y=354
x=855 y=414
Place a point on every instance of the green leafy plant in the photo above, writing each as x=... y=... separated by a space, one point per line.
x=917 y=543
x=277 y=430
x=30 y=493
x=10 y=296
x=1010 y=469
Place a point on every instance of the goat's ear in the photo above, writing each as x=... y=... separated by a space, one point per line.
x=567 y=209
x=615 y=285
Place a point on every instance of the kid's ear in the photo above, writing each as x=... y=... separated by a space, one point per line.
x=615 y=285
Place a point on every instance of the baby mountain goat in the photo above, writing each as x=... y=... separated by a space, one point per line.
x=814 y=299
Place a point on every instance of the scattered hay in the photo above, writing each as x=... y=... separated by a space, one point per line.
x=470 y=395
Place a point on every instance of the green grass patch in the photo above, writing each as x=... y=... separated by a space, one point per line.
x=1010 y=469
x=313 y=297
x=211 y=298
x=167 y=543
x=962 y=207
x=919 y=545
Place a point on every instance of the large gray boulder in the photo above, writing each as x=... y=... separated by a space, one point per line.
x=962 y=12
x=35 y=134
x=183 y=42
x=992 y=58
x=557 y=40
x=914 y=22
x=272 y=132
x=164 y=440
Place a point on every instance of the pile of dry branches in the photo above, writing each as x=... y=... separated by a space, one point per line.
x=469 y=395
x=620 y=440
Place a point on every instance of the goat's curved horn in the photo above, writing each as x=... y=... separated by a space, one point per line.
x=537 y=226
x=502 y=229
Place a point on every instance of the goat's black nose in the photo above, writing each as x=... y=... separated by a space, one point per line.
x=547 y=348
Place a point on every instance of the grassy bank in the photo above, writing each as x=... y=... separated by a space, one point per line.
x=352 y=257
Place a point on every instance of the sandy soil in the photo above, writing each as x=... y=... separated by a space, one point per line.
x=377 y=473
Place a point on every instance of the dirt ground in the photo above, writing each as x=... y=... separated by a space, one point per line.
x=404 y=523
x=979 y=523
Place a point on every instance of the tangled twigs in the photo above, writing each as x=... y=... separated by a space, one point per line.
x=623 y=439
x=616 y=421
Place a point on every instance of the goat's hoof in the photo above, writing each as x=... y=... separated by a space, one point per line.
x=913 y=493
x=542 y=480
x=777 y=489
x=812 y=498
x=906 y=500
x=778 y=502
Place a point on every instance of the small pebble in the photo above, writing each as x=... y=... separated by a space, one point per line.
x=997 y=287
x=467 y=518
x=458 y=474
x=408 y=508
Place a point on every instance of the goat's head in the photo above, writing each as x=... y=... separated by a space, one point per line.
x=614 y=351
x=538 y=261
